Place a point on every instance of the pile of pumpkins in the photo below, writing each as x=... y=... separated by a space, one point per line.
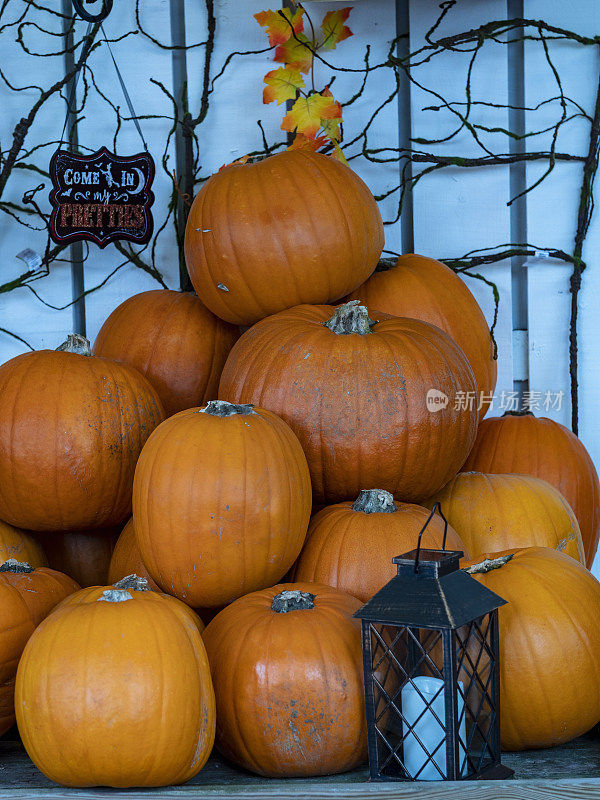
x=277 y=451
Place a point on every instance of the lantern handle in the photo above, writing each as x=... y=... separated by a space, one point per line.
x=436 y=507
x=101 y=15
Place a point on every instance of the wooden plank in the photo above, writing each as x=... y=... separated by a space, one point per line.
x=139 y=61
x=20 y=311
x=569 y=771
x=457 y=210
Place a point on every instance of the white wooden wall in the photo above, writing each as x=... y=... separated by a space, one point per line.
x=453 y=211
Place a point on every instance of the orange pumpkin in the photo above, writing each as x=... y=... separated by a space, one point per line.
x=287 y=670
x=420 y=287
x=115 y=690
x=27 y=596
x=127 y=559
x=133 y=583
x=356 y=394
x=20 y=545
x=339 y=536
x=71 y=429
x=296 y=227
x=543 y=448
x=549 y=645
x=84 y=555
x=494 y=512
x=172 y=339
x=221 y=502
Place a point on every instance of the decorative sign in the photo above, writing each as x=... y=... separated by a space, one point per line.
x=101 y=197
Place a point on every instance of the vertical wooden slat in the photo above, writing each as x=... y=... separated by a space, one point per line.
x=76 y=249
x=404 y=121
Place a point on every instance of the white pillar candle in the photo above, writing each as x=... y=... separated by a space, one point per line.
x=429 y=731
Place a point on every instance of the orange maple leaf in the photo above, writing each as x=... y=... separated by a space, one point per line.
x=282 y=85
x=302 y=143
x=334 y=30
x=295 y=53
x=281 y=24
x=307 y=114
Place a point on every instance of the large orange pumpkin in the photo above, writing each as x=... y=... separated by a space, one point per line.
x=172 y=339
x=84 y=555
x=420 y=287
x=20 y=545
x=221 y=502
x=494 y=512
x=127 y=559
x=351 y=545
x=115 y=690
x=287 y=670
x=27 y=596
x=356 y=394
x=549 y=645
x=296 y=227
x=71 y=429
x=543 y=448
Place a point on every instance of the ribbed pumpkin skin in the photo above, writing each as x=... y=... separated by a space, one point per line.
x=358 y=402
x=127 y=559
x=20 y=545
x=426 y=289
x=289 y=686
x=71 y=430
x=84 y=555
x=543 y=448
x=296 y=227
x=494 y=512
x=549 y=647
x=172 y=339
x=353 y=551
x=221 y=505
x=116 y=694
x=25 y=600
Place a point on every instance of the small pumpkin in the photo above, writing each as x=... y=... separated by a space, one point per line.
x=340 y=536
x=494 y=512
x=221 y=502
x=549 y=645
x=84 y=555
x=71 y=429
x=287 y=670
x=127 y=559
x=172 y=339
x=543 y=448
x=296 y=227
x=142 y=660
x=20 y=545
x=27 y=595
x=355 y=392
x=423 y=288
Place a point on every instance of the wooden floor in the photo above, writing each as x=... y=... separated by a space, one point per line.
x=569 y=772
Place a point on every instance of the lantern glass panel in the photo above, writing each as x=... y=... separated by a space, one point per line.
x=434 y=700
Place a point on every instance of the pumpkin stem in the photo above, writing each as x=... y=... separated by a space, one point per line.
x=115 y=596
x=221 y=408
x=12 y=565
x=134 y=582
x=385 y=264
x=76 y=344
x=374 y=501
x=292 y=600
x=517 y=414
x=350 y=318
x=488 y=564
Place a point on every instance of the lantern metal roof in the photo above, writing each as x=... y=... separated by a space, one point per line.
x=430 y=591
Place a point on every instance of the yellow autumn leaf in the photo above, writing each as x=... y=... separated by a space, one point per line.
x=282 y=84
x=295 y=53
x=334 y=30
x=281 y=24
x=308 y=113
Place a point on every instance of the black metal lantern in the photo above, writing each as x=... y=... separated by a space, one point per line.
x=431 y=665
